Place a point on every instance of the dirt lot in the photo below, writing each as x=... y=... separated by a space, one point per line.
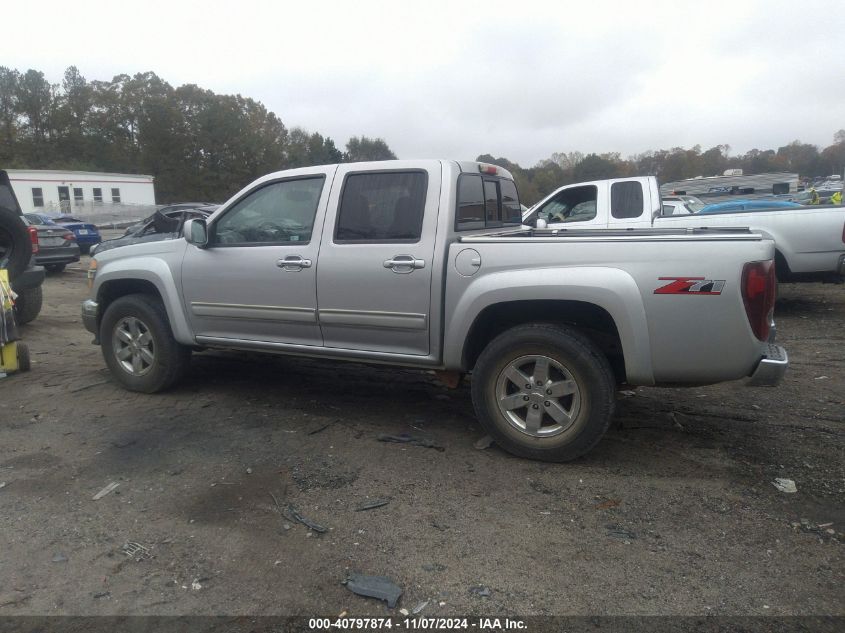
x=673 y=513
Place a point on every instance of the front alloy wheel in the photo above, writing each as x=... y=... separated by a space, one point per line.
x=133 y=346
x=138 y=344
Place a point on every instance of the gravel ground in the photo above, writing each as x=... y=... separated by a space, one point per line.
x=673 y=513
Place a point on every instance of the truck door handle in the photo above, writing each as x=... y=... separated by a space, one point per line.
x=404 y=264
x=293 y=263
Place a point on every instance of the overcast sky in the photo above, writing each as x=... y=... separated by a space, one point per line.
x=457 y=79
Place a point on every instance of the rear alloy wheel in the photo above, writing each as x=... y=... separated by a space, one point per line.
x=138 y=344
x=544 y=391
x=538 y=396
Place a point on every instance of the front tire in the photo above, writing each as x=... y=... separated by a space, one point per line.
x=138 y=345
x=544 y=391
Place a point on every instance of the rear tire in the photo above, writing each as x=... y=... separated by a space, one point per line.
x=28 y=305
x=15 y=245
x=138 y=345
x=544 y=391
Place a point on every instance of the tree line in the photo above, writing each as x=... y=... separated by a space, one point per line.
x=205 y=146
x=673 y=164
x=197 y=144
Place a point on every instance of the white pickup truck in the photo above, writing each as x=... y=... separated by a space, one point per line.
x=425 y=264
x=809 y=241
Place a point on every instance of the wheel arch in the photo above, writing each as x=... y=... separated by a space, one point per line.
x=590 y=319
x=153 y=280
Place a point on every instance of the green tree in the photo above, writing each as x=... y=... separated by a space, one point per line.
x=595 y=167
x=362 y=148
x=34 y=101
x=9 y=80
x=799 y=157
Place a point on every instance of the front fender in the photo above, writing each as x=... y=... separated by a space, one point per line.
x=612 y=289
x=158 y=272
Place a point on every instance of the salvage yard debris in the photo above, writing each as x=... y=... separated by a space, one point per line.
x=785 y=485
x=379 y=587
x=371 y=505
x=404 y=438
x=105 y=491
x=614 y=531
x=483 y=443
x=311 y=525
x=136 y=551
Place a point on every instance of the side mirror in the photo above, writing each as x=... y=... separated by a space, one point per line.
x=196 y=232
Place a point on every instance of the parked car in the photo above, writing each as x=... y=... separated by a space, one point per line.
x=170 y=210
x=424 y=263
x=157 y=227
x=681 y=205
x=87 y=234
x=16 y=247
x=748 y=205
x=809 y=241
x=53 y=245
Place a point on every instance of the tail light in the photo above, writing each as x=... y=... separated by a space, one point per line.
x=758 y=295
x=33 y=237
x=69 y=237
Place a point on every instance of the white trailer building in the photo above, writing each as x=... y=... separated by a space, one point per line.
x=85 y=193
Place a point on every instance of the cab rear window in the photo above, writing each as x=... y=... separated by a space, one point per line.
x=485 y=202
x=626 y=199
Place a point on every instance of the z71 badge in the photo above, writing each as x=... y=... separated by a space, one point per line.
x=690 y=286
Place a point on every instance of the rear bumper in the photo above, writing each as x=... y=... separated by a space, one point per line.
x=90 y=310
x=88 y=240
x=58 y=255
x=772 y=367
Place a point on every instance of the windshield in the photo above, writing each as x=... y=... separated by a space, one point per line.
x=37 y=218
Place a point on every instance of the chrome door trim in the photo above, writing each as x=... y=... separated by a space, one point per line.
x=374 y=319
x=254 y=312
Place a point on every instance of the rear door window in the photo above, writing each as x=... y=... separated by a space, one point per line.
x=382 y=207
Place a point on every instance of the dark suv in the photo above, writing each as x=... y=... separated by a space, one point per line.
x=16 y=255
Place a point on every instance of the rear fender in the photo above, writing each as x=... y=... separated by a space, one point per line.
x=609 y=288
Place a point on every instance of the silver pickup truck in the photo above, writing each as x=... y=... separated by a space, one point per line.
x=425 y=264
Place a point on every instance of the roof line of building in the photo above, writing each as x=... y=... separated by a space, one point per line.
x=74 y=173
